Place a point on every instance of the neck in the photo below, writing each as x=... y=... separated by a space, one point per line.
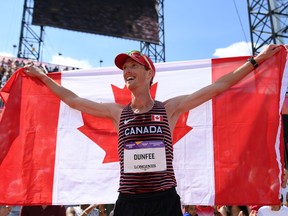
x=141 y=104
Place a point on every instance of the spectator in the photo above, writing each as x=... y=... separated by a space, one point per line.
x=275 y=210
x=234 y=210
x=55 y=69
x=70 y=211
x=90 y=210
x=190 y=210
x=5 y=210
x=4 y=79
x=15 y=211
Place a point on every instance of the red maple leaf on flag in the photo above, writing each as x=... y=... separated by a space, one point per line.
x=102 y=131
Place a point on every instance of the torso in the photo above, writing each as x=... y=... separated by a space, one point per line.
x=144 y=140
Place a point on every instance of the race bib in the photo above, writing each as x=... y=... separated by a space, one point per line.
x=144 y=156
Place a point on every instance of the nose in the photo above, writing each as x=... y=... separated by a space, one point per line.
x=126 y=71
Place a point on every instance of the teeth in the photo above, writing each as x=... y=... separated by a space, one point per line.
x=129 y=78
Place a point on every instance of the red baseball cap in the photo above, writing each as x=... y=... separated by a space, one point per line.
x=136 y=56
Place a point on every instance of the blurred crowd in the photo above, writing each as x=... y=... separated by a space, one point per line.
x=8 y=65
x=242 y=210
x=57 y=210
x=188 y=210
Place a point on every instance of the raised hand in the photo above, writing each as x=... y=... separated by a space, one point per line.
x=34 y=71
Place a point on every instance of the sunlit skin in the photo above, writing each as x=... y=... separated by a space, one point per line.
x=5 y=210
x=135 y=75
x=137 y=79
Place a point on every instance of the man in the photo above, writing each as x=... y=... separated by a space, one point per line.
x=275 y=210
x=147 y=191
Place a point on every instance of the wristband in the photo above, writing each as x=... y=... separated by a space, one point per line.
x=253 y=62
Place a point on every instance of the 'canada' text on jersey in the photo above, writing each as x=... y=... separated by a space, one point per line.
x=143 y=130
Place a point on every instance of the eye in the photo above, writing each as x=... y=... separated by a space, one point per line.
x=134 y=66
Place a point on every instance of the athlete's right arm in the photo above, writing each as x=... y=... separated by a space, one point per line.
x=107 y=110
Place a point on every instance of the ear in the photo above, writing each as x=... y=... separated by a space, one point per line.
x=150 y=77
x=150 y=73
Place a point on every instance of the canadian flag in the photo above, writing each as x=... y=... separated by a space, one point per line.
x=157 y=118
x=226 y=151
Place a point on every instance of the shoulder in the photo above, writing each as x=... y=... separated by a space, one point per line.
x=172 y=103
x=263 y=209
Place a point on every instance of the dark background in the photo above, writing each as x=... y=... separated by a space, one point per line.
x=131 y=19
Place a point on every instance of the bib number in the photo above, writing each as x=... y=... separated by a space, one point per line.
x=144 y=156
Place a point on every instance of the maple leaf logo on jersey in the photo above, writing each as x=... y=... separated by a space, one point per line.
x=156 y=118
x=102 y=131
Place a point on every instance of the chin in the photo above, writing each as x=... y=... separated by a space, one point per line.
x=130 y=87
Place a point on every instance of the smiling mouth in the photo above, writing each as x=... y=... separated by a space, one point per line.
x=130 y=79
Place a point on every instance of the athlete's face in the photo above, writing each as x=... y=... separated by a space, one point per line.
x=135 y=74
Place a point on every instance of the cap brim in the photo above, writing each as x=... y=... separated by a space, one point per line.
x=120 y=60
x=122 y=57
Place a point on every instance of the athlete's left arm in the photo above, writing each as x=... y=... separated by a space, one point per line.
x=178 y=105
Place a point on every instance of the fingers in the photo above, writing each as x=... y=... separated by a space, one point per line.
x=29 y=64
x=273 y=48
x=277 y=48
x=28 y=68
x=253 y=213
x=33 y=69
